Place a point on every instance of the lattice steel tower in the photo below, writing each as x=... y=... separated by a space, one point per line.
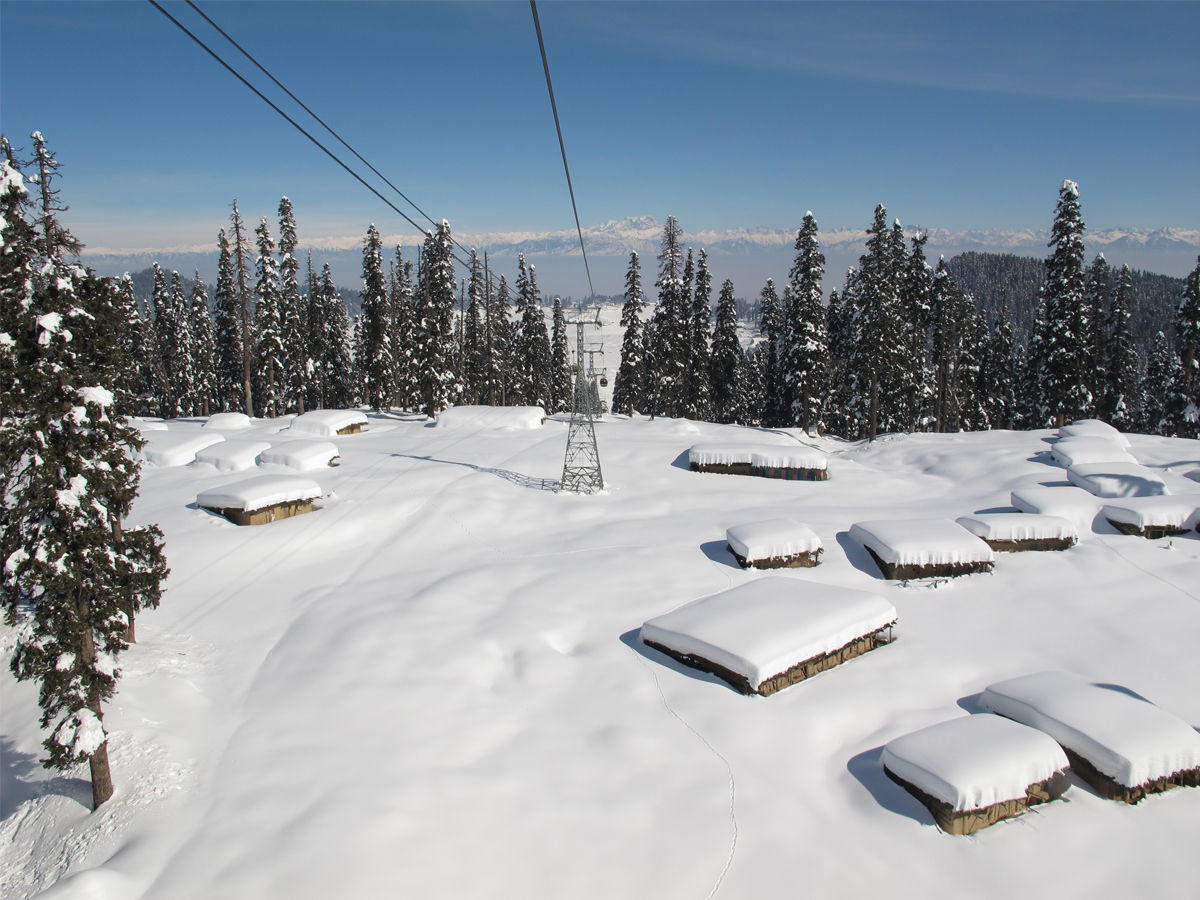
x=581 y=465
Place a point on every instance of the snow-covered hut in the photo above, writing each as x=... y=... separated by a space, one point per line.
x=768 y=634
x=261 y=499
x=232 y=455
x=774 y=544
x=302 y=455
x=1122 y=745
x=330 y=422
x=1074 y=451
x=973 y=771
x=228 y=421
x=790 y=463
x=923 y=548
x=1093 y=428
x=175 y=448
x=1066 y=501
x=1153 y=517
x=514 y=418
x=1117 y=479
x=1013 y=532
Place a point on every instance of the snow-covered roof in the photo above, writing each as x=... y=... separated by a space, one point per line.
x=1116 y=479
x=1067 y=501
x=1073 y=451
x=765 y=627
x=232 y=455
x=1125 y=737
x=517 y=417
x=721 y=454
x=1019 y=527
x=172 y=448
x=798 y=457
x=772 y=538
x=974 y=761
x=258 y=492
x=327 y=422
x=1149 y=512
x=1093 y=428
x=228 y=421
x=921 y=542
x=302 y=455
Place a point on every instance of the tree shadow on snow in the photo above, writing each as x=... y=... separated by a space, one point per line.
x=633 y=640
x=719 y=552
x=995 y=509
x=867 y=770
x=19 y=781
x=1044 y=457
x=858 y=555
x=528 y=481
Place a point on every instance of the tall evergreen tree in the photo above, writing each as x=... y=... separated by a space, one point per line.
x=531 y=343
x=628 y=396
x=768 y=353
x=805 y=365
x=1158 y=386
x=73 y=577
x=1187 y=331
x=240 y=258
x=434 y=351
x=917 y=314
x=1097 y=302
x=878 y=358
x=293 y=329
x=338 y=361
x=999 y=381
x=727 y=366
x=698 y=395
x=500 y=337
x=228 y=336
x=377 y=361
x=560 y=362
x=666 y=338
x=268 y=327
x=204 y=380
x=1061 y=349
x=1118 y=359
x=475 y=345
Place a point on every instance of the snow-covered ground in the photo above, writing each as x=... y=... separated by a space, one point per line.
x=433 y=686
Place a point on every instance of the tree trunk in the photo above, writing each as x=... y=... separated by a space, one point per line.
x=102 y=784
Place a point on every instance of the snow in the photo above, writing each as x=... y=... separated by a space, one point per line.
x=232 y=455
x=436 y=685
x=173 y=448
x=473 y=417
x=145 y=425
x=1093 y=428
x=81 y=733
x=327 y=422
x=1066 y=501
x=98 y=395
x=228 y=421
x=765 y=627
x=921 y=542
x=300 y=455
x=1116 y=479
x=1074 y=451
x=789 y=458
x=259 y=492
x=974 y=761
x=772 y=538
x=1123 y=735
x=1143 y=512
x=1019 y=527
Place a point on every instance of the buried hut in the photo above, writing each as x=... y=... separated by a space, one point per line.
x=923 y=548
x=774 y=544
x=261 y=499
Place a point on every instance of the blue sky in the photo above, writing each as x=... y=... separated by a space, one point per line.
x=956 y=115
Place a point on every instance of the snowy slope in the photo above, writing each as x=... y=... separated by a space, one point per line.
x=432 y=685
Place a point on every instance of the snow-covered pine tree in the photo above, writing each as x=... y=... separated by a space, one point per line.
x=1062 y=348
x=1118 y=367
x=1097 y=301
x=72 y=577
x=293 y=329
x=241 y=284
x=338 y=360
x=1187 y=336
x=203 y=352
x=561 y=383
x=475 y=348
x=531 y=343
x=227 y=332
x=805 y=365
x=768 y=353
x=500 y=330
x=727 y=367
x=698 y=398
x=666 y=360
x=268 y=328
x=400 y=299
x=1158 y=385
x=377 y=361
x=629 y=382
x=434 y=353
x=917 y=313
x=841 y=326
x=878 y=360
